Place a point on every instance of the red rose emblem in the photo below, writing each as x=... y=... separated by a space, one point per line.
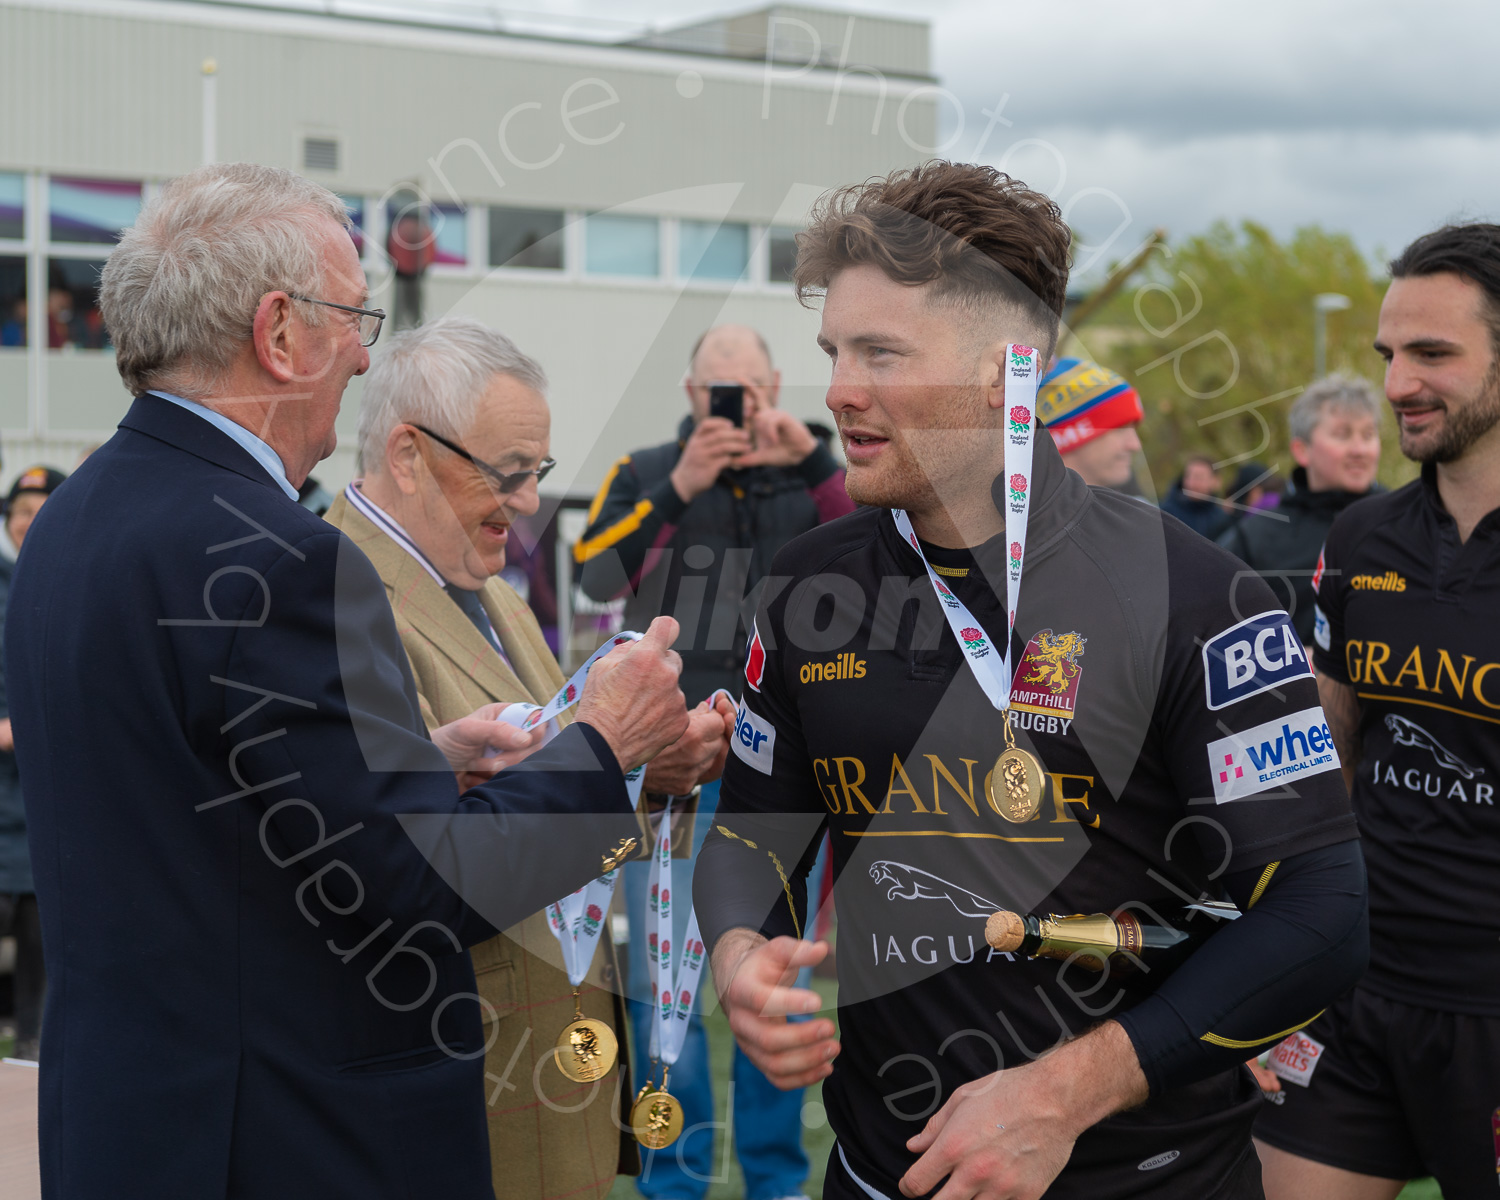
x=1021 y=415
x=971 y=634
x=1024 y=351
x=1015 y=551
x=594 y=912
x=1018 y=482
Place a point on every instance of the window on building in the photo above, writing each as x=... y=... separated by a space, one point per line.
x=621 y=245
x=355 y=207
x=450 y=227
x=73 y=319
x=438 y=232
x=12 y=205
x=526 y=237
x=91 y=210
x=12 y=301
x=783 y=256
x=709 y=250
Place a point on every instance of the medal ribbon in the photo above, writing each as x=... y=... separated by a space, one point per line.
x=577 y=920
x=990 y=668
x=674 y=980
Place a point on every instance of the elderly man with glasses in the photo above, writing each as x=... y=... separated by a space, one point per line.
x=256 y=872
x=453 y=439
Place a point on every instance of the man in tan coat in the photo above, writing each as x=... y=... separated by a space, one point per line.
x=453 y=441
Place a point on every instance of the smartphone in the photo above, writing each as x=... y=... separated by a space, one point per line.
x=727 y=400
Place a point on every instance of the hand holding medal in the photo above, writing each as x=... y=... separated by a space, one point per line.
x=1016 y=783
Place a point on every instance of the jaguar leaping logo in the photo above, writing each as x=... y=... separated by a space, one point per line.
x=909 y=883
x=1409 y=733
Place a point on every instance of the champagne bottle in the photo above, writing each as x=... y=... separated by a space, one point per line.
x=1095 y=940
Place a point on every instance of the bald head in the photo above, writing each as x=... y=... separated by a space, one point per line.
x=733 y=354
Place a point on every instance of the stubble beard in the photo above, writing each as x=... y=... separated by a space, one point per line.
x=1460 y=429
x=909 y=480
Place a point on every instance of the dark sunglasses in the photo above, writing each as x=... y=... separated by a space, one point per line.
x=504 y=481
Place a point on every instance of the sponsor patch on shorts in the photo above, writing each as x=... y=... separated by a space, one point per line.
x=1266 y=756
x=754 y=740
x=1252 y=657
x=1295 y=1058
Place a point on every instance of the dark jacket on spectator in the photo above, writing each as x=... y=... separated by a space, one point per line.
x=1283 y=543
x=15 y=860
x=1201 y=516
x=702 y=563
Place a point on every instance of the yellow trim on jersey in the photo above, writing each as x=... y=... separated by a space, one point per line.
x=1265 y=879
x=1457 y=712
x=1235 y=1044
x=952 y=572
x=609 y=478
x=620 y=530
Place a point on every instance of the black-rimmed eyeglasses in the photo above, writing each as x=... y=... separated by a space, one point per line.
x=370 y=319
x=505 y=481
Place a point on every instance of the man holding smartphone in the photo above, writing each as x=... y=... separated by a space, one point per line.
x=689 y=528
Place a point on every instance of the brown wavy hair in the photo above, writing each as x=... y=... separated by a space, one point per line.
x=981 y=238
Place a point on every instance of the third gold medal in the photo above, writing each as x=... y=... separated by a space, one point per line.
x=1017 y=782
x=656 y=1116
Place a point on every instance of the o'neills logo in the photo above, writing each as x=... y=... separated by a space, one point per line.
x=1389 y=582
x=1047 y=680
x=845 y=666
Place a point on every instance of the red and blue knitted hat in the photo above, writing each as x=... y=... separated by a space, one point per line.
x=1078 y=400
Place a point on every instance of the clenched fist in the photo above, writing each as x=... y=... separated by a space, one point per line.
x=632 y=697
x=698 y=755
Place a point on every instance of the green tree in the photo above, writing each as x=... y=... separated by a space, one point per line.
x=1217 y=336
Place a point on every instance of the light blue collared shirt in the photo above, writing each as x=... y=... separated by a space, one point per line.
x=253 y=446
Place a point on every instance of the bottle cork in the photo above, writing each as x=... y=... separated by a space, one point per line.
x=1004 y=931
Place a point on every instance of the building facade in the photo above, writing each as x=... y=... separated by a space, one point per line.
x=601 y=198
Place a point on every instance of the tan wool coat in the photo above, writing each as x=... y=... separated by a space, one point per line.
x=550 y=1138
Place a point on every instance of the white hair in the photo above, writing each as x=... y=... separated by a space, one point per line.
x=1344 y=393
x=435 y=375
x=179 y=292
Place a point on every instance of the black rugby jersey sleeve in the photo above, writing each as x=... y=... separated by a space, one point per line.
x=1329 y=596
x=752 y=871
x=1302 y=940
x=1245 y=740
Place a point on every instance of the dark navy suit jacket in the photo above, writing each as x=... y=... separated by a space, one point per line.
x=248 y=854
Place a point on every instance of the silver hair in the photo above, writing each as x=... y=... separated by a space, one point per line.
x=1345 y=392
x=179 y=292
x=435 y=375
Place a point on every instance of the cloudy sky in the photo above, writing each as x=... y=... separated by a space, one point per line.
x=1367 y=116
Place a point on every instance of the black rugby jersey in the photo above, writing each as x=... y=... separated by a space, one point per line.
x=1168 y=699
x=1410 y=618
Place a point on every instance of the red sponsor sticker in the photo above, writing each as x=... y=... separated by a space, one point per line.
x=1495 y=1127
x=1295 y=1058
x=1318 y=572
x=755 y=662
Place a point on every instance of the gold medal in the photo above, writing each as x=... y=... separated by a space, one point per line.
x=1016 y=782
x=586 y=1049
x=656 y=1117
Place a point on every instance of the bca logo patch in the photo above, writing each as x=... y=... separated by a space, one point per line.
x=1252 y=657
x=754 y=740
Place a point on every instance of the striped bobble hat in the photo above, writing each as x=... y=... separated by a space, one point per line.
x=1078 y=400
